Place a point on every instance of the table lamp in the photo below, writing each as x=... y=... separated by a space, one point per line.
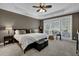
x=9 y=30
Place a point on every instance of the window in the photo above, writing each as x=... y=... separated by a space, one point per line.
x=61 y=25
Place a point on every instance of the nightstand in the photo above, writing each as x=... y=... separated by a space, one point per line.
x=8 y=39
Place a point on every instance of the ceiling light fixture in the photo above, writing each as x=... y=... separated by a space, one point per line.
x=41 y=10
x=42 y=7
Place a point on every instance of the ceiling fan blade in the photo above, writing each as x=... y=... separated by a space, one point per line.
x=38 y=10
x=36 y=6
x=48 y=6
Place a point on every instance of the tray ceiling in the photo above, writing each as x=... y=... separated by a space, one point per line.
x=27 y=9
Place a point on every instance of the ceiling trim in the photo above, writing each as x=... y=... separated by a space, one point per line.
x=61 y=16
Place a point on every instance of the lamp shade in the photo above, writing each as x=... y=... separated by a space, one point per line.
x=8 y=28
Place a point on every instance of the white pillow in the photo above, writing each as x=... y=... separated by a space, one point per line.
x=17 y=32
x=36 y=30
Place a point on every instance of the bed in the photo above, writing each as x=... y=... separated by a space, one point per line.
x=29 y=39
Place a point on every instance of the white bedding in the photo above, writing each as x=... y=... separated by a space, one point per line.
x=26 y=39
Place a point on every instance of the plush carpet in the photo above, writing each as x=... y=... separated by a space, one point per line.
x=54 y=48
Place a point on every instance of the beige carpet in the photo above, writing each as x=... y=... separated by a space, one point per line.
x=54 y=48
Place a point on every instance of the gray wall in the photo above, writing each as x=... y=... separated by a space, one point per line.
x=75 y=24
x=16 y=21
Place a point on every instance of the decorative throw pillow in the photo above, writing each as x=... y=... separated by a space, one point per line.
x=22 y=31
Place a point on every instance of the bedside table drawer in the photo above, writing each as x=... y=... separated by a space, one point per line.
x=8 y=38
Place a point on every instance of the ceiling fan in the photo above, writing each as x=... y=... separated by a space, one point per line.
x=42 y=7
